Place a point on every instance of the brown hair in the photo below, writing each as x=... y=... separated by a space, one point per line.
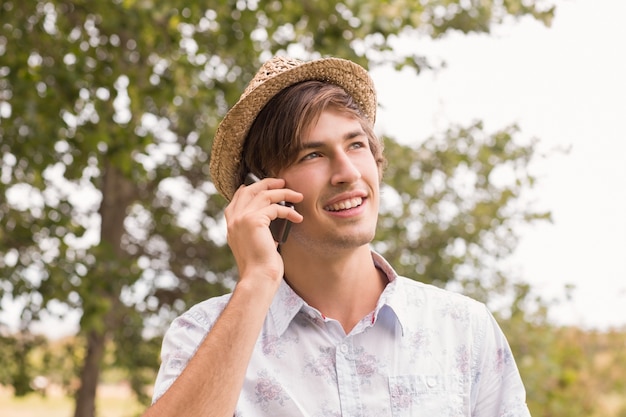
x=274 y=139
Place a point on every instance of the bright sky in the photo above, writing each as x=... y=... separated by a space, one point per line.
x=565 y=85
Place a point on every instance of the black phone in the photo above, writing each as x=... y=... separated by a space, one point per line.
x=279 y=227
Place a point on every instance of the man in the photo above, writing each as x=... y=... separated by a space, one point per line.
x=320 y=325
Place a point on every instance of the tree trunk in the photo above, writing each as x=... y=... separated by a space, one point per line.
x=90 y=375
x=118 y=192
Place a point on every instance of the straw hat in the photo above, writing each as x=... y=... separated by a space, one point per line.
x=275 y=75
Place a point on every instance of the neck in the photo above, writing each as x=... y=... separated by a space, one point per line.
x=344 y=286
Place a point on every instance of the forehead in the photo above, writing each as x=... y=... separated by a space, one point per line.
x=333 y=123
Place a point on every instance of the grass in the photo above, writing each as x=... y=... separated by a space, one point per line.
x=115 y=401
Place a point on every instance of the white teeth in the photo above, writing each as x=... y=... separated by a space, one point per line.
x=346 y=204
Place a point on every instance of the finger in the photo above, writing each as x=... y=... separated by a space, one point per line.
x=264 y=193
x=288 y=212
x=245 y=194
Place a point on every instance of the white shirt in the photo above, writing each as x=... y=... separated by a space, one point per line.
x=423 y=351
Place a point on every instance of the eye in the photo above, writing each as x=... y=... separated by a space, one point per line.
x=358 y=145
x=311 y=155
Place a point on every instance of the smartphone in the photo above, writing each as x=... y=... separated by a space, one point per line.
x=279 y=227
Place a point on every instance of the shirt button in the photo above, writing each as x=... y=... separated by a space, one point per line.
x=343 y=348
x=431 y=382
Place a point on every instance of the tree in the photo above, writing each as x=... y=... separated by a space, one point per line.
x=15 y=355
x=107 y=110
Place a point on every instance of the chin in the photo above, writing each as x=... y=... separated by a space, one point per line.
x=330 y=243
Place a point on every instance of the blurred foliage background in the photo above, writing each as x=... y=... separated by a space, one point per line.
x=107 y=113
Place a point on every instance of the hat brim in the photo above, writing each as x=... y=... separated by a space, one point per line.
x=233 y=130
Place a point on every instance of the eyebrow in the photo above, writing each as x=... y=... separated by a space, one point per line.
x=349 y=135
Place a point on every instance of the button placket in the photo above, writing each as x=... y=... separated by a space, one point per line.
x=348 y=379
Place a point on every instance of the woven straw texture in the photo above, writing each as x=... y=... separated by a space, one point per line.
x=275 y=75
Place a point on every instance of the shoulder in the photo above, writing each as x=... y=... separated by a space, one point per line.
x=202 y=315
x=425 y=302
x=428 y=292
x=188 y=330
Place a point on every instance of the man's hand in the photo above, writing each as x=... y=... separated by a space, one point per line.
x=248 y=218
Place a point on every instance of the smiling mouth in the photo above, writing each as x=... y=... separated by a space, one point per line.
x=345 y=205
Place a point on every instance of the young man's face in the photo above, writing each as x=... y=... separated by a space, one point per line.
x=338 y=176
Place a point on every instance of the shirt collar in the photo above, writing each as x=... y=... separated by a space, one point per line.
x=394 y=294
x=285 y=306
x=286 y=303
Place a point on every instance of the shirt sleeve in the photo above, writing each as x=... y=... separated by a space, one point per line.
x=181 y=341
x=499 y=391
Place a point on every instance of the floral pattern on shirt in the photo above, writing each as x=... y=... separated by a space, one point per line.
x=504 y=357
x=419 y=341
x=367 y=365
x=463 y=360
x=275 y=346
x=322 y=365
x=403 y=396
x=268 y=390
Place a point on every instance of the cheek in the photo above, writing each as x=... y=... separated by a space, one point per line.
x=304 y=183
x=369 y=168
x=297 y=180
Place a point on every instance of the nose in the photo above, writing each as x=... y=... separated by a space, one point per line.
x=344 y=169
